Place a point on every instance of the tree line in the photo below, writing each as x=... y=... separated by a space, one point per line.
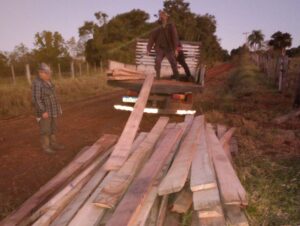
x=114 y=38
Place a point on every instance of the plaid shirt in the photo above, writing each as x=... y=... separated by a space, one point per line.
x=44 y=98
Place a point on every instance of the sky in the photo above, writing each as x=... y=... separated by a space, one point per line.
x=21 y=19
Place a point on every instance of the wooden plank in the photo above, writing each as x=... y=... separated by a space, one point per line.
x=146 y=208
x=159 y=86
x=56 y=204
x=235 y=216
x=212 y=221
x=227 y=136
x=231 y=190
x=221 y=130
x=195 y=219
x=284 y=118
x=129 y=206
x=172 y=219
x=225 y=142
x=179 y=171
x=89 y=214
x=151 y=221
x=70 y=211
x=162 y=210
x=121 y=151
x=202 y=174
x=183 y=201
x=114 y=190
x=77 y=165
x=206 y=199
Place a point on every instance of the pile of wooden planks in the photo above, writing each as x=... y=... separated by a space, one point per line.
x=124 y=74
x=144 y=178
x=175 y=169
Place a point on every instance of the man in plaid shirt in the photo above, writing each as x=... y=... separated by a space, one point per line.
x=47 y=108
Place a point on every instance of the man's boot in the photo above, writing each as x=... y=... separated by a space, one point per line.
x=54 y=144
x=45 y=140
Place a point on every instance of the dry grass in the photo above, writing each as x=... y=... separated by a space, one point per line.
x=269 y=155
x=16 y=99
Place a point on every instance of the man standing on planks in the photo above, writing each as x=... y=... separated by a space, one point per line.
x=165 y=41
x=47 y=108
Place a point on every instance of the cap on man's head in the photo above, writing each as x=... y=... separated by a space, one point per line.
x=44 y=68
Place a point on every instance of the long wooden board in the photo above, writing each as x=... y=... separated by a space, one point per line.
x=162 y=210
x=51 y=209
x=65 y=175
x=183 y=201
x=122 y=149
x=70 y=211
x=89 y=214
x=179 y=171
x=202 y=174
x=114 y=190
x=206 y=199
x=235 y=216
x=231 y=189
x=129 y=206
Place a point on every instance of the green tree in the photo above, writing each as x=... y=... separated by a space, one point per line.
x=49 y=47
x=280 y=41
x=256 y=39
x=194 y=27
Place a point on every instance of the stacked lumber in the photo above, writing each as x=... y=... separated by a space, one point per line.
x=174 y=169
x=144 y=178
x=124 y=74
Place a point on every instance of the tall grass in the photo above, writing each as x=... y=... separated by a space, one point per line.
x=268 y=160
x=16 y=99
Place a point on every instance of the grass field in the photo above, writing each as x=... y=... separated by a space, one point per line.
x=269 y=155
x=16 y=99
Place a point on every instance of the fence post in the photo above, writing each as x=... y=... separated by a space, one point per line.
x=80 y=69
x=87 y=68
x=72 y=70
x=59 y=71
x=28 y=76
x=202 y=75
x=95 y=68
x=13 y=74
x=101 y=67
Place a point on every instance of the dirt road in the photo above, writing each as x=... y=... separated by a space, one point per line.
x=24 y=168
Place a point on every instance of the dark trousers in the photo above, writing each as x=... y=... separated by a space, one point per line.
x=160 y=54
x=181 y=61
x=47 y=126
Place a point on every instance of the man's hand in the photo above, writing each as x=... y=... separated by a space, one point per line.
x=45 y=115
x=176 y=53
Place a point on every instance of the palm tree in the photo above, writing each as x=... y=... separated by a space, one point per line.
x=279 y=41
x=255 y=39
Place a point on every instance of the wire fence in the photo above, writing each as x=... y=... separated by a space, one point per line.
x=13 y=75
x=281 y=71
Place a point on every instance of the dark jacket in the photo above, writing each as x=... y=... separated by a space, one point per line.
x=44 y=98
x=165 y=38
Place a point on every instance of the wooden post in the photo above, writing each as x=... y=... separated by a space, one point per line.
x=13 y=74
x=95 y=67
x=281 y=68
x=87 y=68
x=72 y=70
x=202 y=75
x=101 y=67
x=28 y=76
x=59 y=71
x=80 y=69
